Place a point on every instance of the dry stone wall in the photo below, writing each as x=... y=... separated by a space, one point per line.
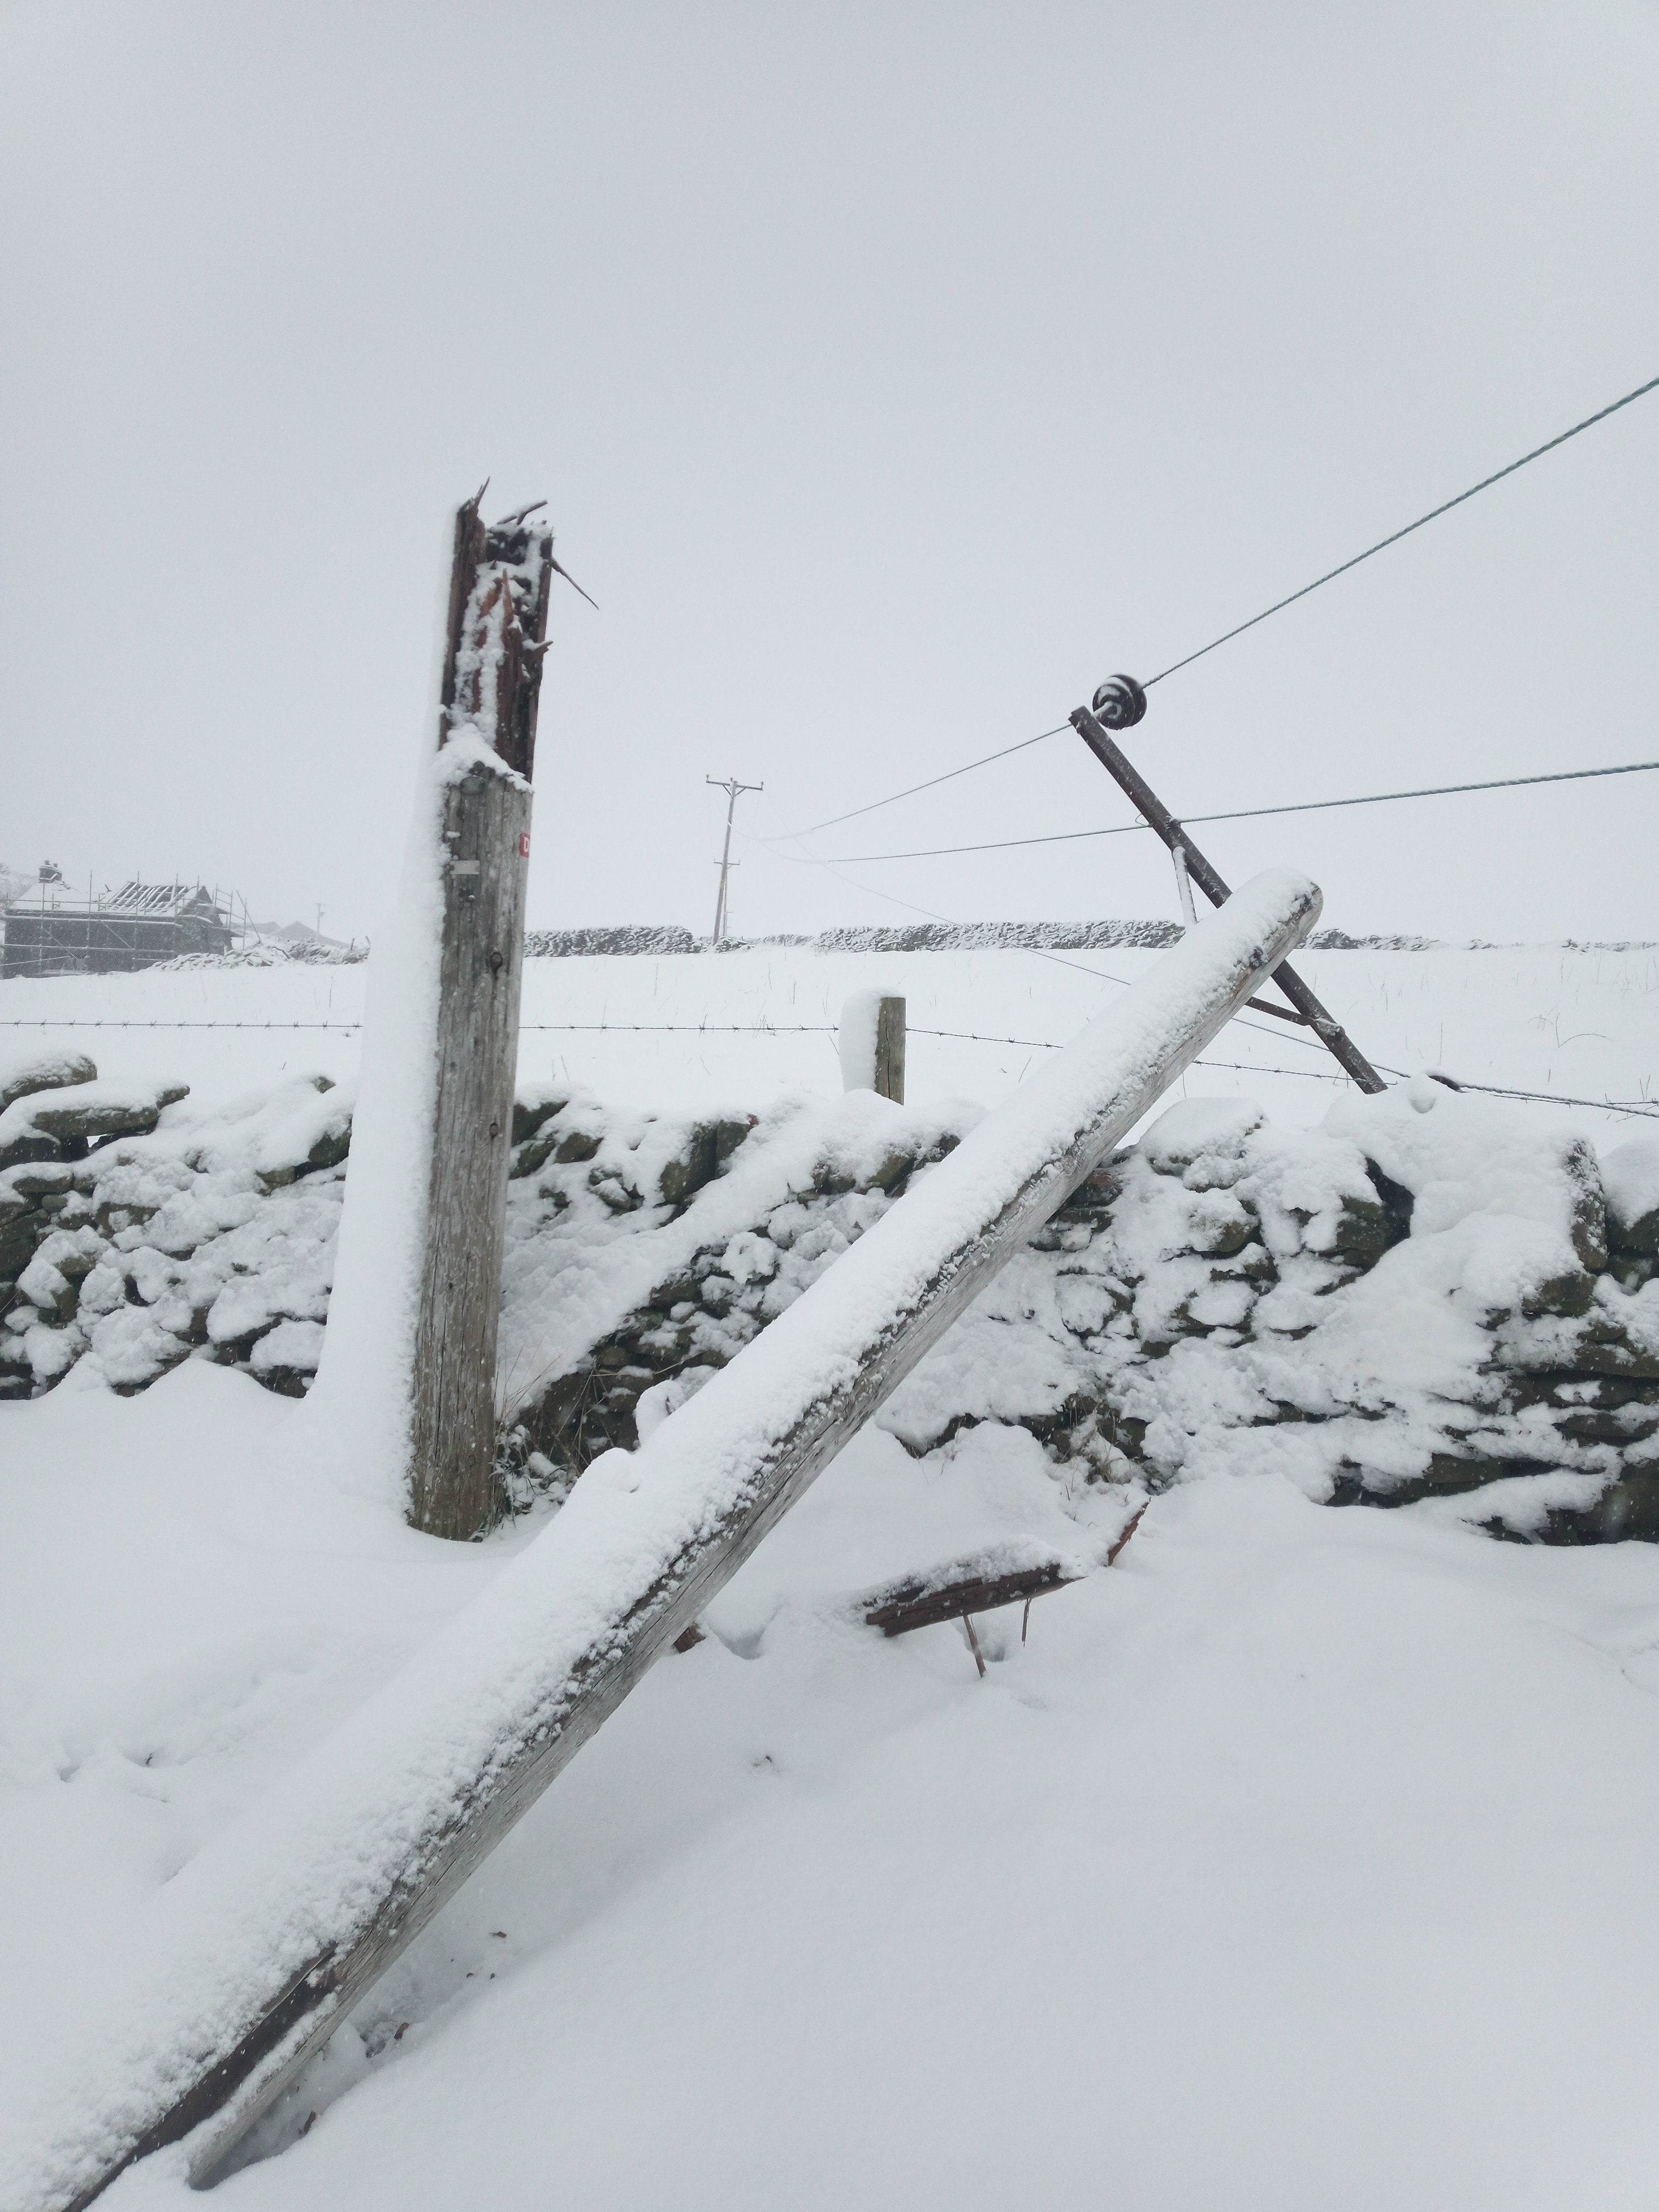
x=1426 y=1297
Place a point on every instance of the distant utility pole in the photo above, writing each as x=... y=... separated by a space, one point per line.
x=730 y=788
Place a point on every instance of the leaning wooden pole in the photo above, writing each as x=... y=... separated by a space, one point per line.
x=498 y=629
x=258 y=1949
x=1121 y=702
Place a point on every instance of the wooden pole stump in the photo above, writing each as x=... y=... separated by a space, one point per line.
x=499 y=586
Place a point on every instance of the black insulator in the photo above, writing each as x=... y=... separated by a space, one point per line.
x=1119 y=702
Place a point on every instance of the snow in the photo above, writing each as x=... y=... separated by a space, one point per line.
x=359 y=1415
x=26 y=1067
x=857 y=1039
x=1541 y=1017
x=305 y=1868
x=1630 y=1177
x=1303 y=1857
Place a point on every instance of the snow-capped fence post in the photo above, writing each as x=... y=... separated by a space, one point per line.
x=493 y=652
x=890 y=1050
x=257 y=1949
x=871 y=1041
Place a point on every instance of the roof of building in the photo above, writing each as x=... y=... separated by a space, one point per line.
x=133 y=901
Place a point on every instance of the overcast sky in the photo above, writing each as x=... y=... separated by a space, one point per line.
x=894 y=374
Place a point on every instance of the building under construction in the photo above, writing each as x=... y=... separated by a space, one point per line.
x=137 y=926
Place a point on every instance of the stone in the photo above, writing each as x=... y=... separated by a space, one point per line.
x=31 y=1146
x=1630 y=1177
x=1396 y=1201
x=728 y=1135
x=527 y=1120
x=20 y=1229
x=1364 y=1232
x=330 y=1149
x=48 y=1071
x=530 y=1156
x=894 y=1170
x=90 y=1121
x=697 y=1164
x=619 y=1196
x=1212 y=1130
x=1568 y=1294
x=1588 y=1231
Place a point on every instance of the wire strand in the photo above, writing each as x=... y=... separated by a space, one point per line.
x=1250 y=813
x=911 y=790
x=1394 y=537
x=1640 y=1109
x=1238 y=628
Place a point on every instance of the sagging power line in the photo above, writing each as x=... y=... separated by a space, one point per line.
x=1249 y=813
x=1238 y=628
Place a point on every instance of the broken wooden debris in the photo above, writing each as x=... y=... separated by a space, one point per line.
x=914 y=1605
x=921 y=1603
x=1129 y=1530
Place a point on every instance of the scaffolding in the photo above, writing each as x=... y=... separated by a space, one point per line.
x=139 y=926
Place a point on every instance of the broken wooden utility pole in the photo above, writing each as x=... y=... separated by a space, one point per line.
x=1119 y=704
x=499 y=585
x=244 y=1964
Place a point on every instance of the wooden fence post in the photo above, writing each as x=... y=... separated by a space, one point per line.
x=871 y=1044
x=890 y=1050
x=498 y=594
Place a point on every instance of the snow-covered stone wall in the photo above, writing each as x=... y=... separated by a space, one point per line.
x=1427 y=1294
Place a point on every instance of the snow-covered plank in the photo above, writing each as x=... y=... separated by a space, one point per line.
x=256 y=1950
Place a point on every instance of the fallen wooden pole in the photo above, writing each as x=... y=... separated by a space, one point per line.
x=257 y=1949
x=1122 y=702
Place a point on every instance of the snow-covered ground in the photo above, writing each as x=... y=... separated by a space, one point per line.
x=1301 y=1860
x=1541 y=1018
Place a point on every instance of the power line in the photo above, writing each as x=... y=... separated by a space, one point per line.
x=911 y=790
x=1249 y=813
x=1238 y=629
x=1394 y=537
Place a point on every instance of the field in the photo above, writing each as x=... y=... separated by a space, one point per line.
x=1536 y=1018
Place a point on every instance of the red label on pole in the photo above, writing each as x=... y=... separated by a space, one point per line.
x=524 y=844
